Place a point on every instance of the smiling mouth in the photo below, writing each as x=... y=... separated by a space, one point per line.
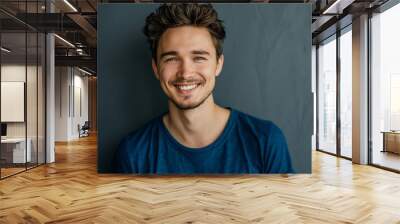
x=187 y=87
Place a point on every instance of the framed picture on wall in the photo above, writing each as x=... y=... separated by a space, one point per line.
x=12 y=101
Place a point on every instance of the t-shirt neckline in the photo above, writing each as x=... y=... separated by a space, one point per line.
x=220 y=139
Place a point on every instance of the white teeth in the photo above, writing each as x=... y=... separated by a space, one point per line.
x=188 y=87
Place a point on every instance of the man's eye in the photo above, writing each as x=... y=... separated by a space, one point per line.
x=171 y=60
x=199 y=59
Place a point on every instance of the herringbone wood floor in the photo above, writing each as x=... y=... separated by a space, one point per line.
x=71 y=191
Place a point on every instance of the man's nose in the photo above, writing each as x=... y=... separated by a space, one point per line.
x=186 y=68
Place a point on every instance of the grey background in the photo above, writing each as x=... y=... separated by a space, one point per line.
x=267 y=72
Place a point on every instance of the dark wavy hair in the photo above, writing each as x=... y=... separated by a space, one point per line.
x=171 y=15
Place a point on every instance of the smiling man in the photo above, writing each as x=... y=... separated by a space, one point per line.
x=197 y=135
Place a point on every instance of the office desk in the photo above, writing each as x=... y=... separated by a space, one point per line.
x=391 y=141
x=15 y=148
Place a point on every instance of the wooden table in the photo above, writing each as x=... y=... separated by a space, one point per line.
x=14 y=150
x=391 y=141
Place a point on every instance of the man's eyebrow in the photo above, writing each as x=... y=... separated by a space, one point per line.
x=174 y=53
x=201 y=52
x=168 y=53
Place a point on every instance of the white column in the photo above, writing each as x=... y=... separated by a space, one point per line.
x=360 y=90
x=50 y=93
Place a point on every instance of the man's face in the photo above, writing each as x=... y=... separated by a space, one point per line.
x=187 y=65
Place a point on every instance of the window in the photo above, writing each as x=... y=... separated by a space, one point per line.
x=327 y=95
x=385 y=88
x=346 y=92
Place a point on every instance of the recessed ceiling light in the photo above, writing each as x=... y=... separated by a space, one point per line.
x=70 y=5
x=86 y=72
x=337 y=7
x=5 y=50
x=64 y=40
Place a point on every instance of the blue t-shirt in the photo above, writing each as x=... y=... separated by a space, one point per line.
x=246 y=145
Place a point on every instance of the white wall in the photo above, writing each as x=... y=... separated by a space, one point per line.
x=71 y=93
x=17 y=73
x=62 y=80
x=12 y=73
x=81 y=104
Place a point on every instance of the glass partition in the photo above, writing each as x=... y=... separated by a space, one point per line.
x=31 y=100
x=327 y=95
x=22 y=78
x=13 y=94
x=385 y=88
x=41 y=87
x=346 y=93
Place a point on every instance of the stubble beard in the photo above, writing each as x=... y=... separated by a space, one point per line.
x=192 y=106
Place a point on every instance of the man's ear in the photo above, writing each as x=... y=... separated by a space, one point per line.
x=155 y=69
x=220 y=64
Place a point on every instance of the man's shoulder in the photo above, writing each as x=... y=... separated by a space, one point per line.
x=139 y=138
x=133 y=147
x=261 y=126
x=275 y=152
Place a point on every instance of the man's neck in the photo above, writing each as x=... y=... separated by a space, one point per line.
x=196 y=127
